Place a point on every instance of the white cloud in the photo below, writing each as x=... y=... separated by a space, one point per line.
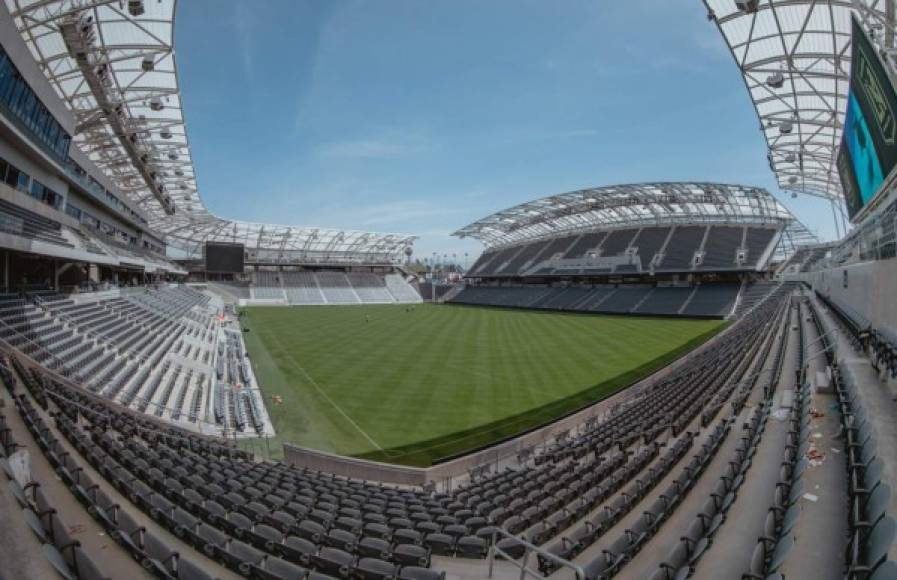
x=407 y=211
x=369 y=149
x=243 y=15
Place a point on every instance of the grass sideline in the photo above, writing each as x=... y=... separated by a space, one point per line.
x=415 y=385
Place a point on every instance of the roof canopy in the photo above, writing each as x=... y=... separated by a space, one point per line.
x=300 y=243
x=635 y=204
x=794 y=56
x=113 y=64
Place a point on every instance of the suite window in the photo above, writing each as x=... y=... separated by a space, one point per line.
x=73 y=211
x=18 y=98
x=29 y=104
x=41 y=192
x=38 y=191
x=10 y=175
x=6 y=77
x=23 y=181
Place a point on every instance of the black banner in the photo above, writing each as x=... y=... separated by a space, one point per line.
x=869 y=142
x=224 y=258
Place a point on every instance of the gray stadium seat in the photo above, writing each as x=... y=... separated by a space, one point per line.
x=298 y=550
x=334 y=561
x=375 y=569
x=411 y=555
x=274 y=568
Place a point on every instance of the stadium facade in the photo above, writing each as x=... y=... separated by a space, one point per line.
x=128 y=391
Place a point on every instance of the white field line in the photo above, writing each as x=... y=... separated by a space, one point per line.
x=331 y=401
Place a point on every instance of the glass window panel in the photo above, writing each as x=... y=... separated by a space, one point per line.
x=24 y=180
x=7 y=81
x=12 y=176
x=37 y=190
x=28 y=103
x=15 y=100
x=52 y=132
x=43 y=117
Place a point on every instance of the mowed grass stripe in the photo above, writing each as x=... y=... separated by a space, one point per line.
x=437 y=380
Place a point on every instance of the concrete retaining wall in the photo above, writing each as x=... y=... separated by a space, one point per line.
x=869 y=288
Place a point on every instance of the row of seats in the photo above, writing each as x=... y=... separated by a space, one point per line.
x=872 y=529
x=753 y=294
x=332 y=287
x=699 y=535
x=707 y=300
x=239 y=290
x=774 y=545
x=139 y=349
x=245 y=501
x=683 y=557
x=123 y=419
x=879 y=343
x=592 y=529
x=804 y=259
x=568 y=546
x=660 y=249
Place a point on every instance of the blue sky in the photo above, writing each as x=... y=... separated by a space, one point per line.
x=422 y=116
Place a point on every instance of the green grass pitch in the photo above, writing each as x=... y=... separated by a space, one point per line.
x=414 y=385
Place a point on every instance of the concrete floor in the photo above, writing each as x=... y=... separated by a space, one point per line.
x=730 y=553
x=469 y=569
x=20 y=550
x=820 y=533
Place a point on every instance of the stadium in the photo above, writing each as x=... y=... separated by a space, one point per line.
x=655 y=379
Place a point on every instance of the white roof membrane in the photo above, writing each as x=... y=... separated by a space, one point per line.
x=123 y=46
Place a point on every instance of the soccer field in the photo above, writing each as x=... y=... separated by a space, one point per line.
x=412 y=385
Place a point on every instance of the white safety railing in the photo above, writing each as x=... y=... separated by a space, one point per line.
x=529 y=552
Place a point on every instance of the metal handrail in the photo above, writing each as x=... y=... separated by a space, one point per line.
x=105 y=341
x=528 y=549
x=822 y=337
x=62 y=365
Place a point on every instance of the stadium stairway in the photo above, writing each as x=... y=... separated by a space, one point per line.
x=819 y=544
x=21 y=552
x=752 y=295
x=730 y=553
